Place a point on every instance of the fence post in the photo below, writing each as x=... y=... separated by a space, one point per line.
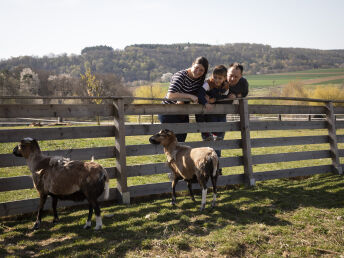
x=246 y=142
x=331 y=126
x=120 y=151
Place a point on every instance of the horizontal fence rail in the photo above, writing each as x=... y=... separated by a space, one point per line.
x=245 y=123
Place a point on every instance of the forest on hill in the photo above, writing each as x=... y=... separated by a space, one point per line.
x=149 y=62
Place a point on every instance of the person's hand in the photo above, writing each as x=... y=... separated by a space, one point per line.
x=208 y=106
x=180 y=102
x=194 y=98
x=231 y=96
x=207 y=98
x=212 y=100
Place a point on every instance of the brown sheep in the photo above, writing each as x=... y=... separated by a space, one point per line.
x=189 y=164
x=64 y=179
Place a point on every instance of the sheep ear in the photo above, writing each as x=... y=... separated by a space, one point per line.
x=39 y=172
x=34 y=141
x=26 y=140
x=164 y=131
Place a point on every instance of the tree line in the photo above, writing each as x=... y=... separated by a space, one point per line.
x=27 y=82
x=149 y=62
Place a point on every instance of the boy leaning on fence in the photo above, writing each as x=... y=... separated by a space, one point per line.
x=214 y=89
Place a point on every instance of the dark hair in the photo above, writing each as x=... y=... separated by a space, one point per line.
x=237 y=66
x=220 y=70
x=204 y=62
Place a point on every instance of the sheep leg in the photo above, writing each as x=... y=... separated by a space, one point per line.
x=99 y=222
x=203 y=185
x=43 y=198
x=190 y=190
x=204 y=196
x=90 y=213
x=174 y=183
x=56 y=218
x=213 y=181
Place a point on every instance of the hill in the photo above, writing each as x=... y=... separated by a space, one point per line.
x=149 y=61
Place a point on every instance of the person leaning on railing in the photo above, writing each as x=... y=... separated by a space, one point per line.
x=238 y=85
x=185 y=84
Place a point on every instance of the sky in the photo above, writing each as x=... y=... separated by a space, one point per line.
x=54 y=27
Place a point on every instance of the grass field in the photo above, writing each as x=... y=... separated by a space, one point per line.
x=288 y=218
x=277 y=218
x=273 y=80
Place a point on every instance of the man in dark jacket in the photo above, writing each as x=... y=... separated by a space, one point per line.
x=238 y=85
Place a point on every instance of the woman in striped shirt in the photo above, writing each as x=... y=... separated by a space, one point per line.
x=185 y=84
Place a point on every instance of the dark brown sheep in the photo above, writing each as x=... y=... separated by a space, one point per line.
x=64 y=179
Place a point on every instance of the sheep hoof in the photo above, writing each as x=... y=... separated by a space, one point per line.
x=37 y=225
x=98 y=227
x=173 y=203
x=56 y=220
x=202 y=208
x=87 y=227
x=213 y=205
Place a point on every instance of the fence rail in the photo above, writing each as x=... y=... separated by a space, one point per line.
x=121 y=171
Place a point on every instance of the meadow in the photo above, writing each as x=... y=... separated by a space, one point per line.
x=272 y=80
x=288 y=217
x=296 y=217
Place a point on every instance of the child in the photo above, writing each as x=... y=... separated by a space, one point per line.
x=214 y=89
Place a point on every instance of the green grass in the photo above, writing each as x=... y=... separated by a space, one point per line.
x=296 y=218
x=331 y=70
x=271 y=80
x=338 y=82
x=136 y=160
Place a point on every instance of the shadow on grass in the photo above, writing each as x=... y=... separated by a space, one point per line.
x=136 y=226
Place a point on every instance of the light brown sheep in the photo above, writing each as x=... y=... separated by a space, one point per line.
x=64 y=179
x=189 y=164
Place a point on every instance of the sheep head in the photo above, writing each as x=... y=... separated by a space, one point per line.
x=26 y=147
x=164 y=137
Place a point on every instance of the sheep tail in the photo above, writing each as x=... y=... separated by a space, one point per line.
x=106 y=186
x=216 y=166
x=215 y=161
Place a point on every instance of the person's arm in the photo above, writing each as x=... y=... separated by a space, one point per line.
x=240 y=90
x=176 y=86
x=179 y=95
x=201 y=94
x=203 y=97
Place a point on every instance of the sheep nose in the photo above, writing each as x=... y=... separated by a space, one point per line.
x=152 y=140
x=16 y=152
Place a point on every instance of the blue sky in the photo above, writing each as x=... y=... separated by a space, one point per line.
x=43 y=27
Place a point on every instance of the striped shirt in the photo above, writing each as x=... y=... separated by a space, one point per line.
x=182 y=83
